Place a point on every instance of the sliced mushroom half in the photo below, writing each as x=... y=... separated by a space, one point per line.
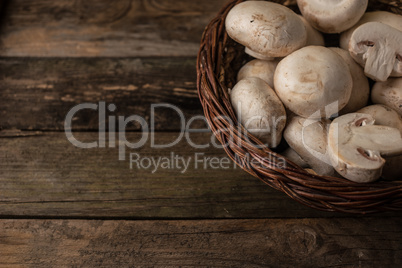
x=392 y=19
x=356 y=146
x=377 y=47
x=385 y=116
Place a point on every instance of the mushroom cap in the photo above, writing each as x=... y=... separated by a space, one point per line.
x=314 y=37
x=356 y=145
x=259 y=110
x=361 y=88
x=385 y=17
x=377 y=47
x=293 y=156
x=332 y=16
x=388 y=93
x=313 y=82
x=383 y=115
x=259 y=68
x=308 y=138
x=266 y=28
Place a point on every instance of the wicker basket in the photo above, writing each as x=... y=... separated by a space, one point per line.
x=219 y=59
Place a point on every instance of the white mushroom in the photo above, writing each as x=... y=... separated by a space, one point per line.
x=293 y=156
x=266 y=28
x=386 y=116
x=377 y=47
x=383 y=115
x=314 y=37
x=385 y=17
x=259 y=68
x=313 y=82
x=356 y=145
x=332 y=16
x=309 y=140
x=259 y=110
x=361 y=88
x=388 y=93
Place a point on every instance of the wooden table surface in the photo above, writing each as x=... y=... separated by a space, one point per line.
x=65 y=206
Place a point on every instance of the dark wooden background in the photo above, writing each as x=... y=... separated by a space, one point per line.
x=62 y=206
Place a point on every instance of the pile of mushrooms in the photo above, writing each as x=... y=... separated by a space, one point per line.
x=317 y=98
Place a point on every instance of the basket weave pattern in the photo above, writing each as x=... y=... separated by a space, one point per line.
x=219 y=59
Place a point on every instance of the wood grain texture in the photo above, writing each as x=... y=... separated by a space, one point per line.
x=134 y=53
x=44 y=175
x=38 y=93
x=370 y=242
x=94 y=28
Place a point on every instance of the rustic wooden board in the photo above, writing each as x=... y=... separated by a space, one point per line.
x=38 y=93
x=369 y=242
x=110 y=28
x=44 y=175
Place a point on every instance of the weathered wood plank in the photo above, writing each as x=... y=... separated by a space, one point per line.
x=38 y=93
x=45 y=175
x=369 y=242
x=93 y=28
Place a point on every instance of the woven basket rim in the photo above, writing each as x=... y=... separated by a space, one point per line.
x=217 y=51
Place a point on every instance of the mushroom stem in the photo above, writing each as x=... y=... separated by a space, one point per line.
x=356 y=146
x=385 y=139
x=376 y=47
x=379 y=61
